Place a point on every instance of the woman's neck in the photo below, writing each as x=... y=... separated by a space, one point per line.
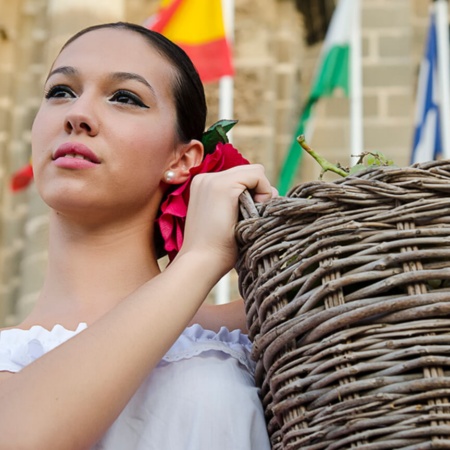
x=91 y=270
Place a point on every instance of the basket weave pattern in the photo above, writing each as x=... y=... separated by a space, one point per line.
x=347 y=293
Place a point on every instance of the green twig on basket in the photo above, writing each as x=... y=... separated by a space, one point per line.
x=365 y=160
x=326 y=165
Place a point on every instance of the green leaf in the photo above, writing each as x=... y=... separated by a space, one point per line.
x=370 y=160
x=217 y=133
x=357 y=168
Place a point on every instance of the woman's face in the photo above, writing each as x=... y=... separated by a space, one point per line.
x=105 y=131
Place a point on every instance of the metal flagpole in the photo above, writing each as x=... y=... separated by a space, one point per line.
x=441 y=14
x=356 y=108
x=226 y=87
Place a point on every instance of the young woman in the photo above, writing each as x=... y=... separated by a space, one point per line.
x=116 y=354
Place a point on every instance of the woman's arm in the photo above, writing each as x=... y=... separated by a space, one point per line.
x=230 y=315
x=70 y=396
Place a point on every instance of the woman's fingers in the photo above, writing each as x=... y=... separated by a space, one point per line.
x=264 y=193
x=213 y=208
x=253 y=178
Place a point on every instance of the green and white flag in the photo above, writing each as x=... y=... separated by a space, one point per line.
x=332 y=73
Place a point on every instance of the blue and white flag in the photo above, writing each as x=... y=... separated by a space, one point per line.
x=427 y=144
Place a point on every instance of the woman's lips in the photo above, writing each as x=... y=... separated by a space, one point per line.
x=73 y=155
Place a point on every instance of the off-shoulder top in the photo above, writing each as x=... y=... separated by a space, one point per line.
x=201 y=396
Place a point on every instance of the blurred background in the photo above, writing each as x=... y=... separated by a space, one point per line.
x=276 y=48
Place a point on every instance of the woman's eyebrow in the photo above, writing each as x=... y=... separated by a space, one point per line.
x=123 y=76
x=65 y=70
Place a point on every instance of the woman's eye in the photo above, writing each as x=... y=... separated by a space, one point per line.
x=59 y=92
x=128 y=98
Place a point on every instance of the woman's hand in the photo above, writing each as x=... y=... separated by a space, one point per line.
x=213 y=211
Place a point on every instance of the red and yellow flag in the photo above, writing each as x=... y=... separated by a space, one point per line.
x=197 y=27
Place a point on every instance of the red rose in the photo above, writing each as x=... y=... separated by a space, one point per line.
x=174 y=208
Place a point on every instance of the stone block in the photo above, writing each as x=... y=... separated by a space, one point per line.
x=254 y=94
x=340 y=107
x=388 y=135
x=371 y=105
x=212 y=100
x=337 y=107
x=387 y=75
x=329 y=135
x=396 y=16
x=4 y=119
x=287 y=83
x=367 y=45
x=400 y=105
x=257 y=143
x=418 y=42
x=286 y=118
x=5 y=85
x=395 y=46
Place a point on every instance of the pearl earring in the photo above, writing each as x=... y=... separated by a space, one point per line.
x=169 y=175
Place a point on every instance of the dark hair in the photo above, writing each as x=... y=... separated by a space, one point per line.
x=188 y=91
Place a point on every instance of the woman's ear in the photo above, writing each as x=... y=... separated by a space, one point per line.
x=188 y=155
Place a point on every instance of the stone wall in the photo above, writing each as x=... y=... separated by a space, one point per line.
x=21 y=70
x=273 y=74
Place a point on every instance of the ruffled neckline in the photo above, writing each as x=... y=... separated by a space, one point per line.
x=20 y=347
x=40 y=330
x=196 y=340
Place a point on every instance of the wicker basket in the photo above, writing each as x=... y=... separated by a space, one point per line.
x=347 y=293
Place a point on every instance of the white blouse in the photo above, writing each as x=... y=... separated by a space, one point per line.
x=201 y=396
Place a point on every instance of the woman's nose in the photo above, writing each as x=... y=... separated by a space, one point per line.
x=81 y=118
